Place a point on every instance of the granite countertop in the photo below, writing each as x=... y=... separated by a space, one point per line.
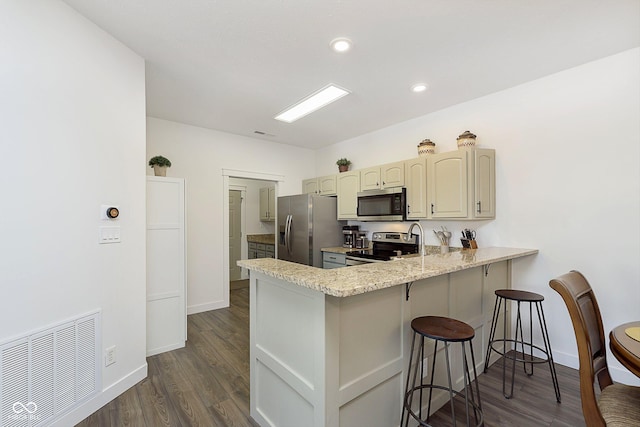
x=359 y=279
x=269 y=239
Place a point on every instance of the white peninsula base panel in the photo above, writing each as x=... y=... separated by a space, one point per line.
x=319 y=360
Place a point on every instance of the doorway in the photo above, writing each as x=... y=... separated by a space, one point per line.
x=249 y=184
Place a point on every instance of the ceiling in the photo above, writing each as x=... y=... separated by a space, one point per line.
x=232 y=65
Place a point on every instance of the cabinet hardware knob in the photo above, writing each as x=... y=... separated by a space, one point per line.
x=432 y=208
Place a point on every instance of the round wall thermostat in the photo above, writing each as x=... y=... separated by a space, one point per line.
x=113 y=212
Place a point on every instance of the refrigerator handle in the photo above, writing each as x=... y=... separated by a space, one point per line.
x=287 y=236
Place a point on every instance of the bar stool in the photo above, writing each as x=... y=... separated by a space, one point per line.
x=446 y=330
x=502 y=295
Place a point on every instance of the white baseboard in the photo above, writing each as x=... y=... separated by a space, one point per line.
x=199 y=308
x=154 y=351
x=99 y=400
x=618 y=374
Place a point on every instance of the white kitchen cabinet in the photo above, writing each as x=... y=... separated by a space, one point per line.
x=485 y=184
x=324 y=185
x=261 y=250
x=333 y=260
x=392 y=175
x=416 y=185
x=370 y=179
x=166 y=265
x=380 y=177
x=461 y=184
x=310 y=186
x=268 y=204
x=327 y=185
x=348 y=186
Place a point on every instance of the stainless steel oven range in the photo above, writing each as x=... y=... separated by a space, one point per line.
x=386 y=246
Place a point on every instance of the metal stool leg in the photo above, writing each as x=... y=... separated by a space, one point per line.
x=475 y=378
x=547 y=347
x=433 y=370
x=408 y=396
x=492 y=333
x=524 y=356
x=453 y=411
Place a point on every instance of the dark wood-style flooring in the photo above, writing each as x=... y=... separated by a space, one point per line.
x=207 y=384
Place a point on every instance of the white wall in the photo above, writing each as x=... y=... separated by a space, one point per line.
x=568 y=181
x=72 y=120
x=199 y=155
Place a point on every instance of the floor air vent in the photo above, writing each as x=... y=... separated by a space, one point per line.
x=49 y=372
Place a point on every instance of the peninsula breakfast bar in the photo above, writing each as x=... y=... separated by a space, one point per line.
x=331 y=347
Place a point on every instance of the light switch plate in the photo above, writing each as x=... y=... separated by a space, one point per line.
x=110 y=355
x=109 y=235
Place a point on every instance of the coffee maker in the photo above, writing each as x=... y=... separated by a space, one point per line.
x=354 y=237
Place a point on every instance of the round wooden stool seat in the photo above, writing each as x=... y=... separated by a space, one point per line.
x=442 y=328
x=516 y=295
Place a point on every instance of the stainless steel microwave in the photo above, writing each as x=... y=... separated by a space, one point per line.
x=383 y=205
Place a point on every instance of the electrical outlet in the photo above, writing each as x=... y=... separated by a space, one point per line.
x=110 y=356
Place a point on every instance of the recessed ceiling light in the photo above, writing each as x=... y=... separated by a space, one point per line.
x=340 y=44
x=419 y=87
x=312 y=103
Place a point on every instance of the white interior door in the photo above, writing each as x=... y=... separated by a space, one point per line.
x=235 y=234
x=166 y=265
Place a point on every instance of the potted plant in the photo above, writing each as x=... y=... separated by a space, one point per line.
x=160 y=165
x=343 y=164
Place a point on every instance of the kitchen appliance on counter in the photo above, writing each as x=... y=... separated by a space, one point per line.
x=353 y=237
x=382 y=205
x=386 y=246
x=306 y=223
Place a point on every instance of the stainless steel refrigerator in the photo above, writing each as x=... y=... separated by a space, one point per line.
x=307 y=223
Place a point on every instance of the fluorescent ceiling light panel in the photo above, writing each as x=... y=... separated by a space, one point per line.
x=312 y=103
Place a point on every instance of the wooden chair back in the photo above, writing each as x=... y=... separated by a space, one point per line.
x=583 y=308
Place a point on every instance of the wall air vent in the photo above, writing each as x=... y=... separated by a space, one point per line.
x=49 y=372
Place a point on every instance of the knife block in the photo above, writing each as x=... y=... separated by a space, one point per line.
x=469 y=243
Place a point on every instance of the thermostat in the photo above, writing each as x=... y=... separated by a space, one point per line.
x=109 y=212
x=113 y=212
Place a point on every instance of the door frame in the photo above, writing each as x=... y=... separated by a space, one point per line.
x=243 y=245
x=234 y=173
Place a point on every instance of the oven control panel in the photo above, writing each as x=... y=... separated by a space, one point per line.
x=394 y=237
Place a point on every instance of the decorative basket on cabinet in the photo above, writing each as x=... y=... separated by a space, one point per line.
x=466 y=140
x=426 y=147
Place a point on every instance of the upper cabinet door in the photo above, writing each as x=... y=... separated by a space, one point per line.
x=448 y=185
x=485 y=183
x=370 y=179
x=385 y=176
x=267 y=204
x=310 y=186
x=416 y=180
x=348 y=187
x=327 y=185
x=392 y=175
